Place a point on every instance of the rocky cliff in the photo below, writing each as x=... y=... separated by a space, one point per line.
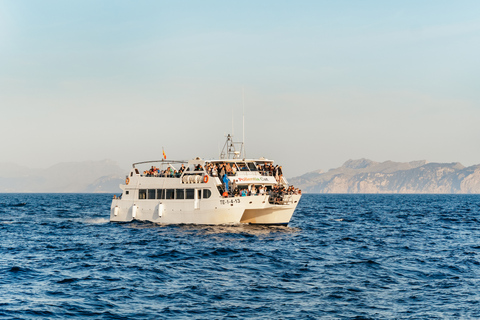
x=366 y=176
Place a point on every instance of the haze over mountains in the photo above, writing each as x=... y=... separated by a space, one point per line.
x=89 y=176
x=367 y=176
x=354 y=176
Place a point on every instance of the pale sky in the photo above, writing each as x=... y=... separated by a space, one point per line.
x=324 y=81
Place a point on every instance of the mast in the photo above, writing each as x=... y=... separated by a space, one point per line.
x=232 y=149
x=243 y=129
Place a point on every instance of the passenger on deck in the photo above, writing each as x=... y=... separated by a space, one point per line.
x=168 y=172
x=261 y=190
x=228 y=168
x=221 y=169
x=280 y=173
x=182 y=168
x=226 y=182
x=214 y=171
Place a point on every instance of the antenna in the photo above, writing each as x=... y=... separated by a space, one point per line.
x=232 y=149
x=243 y=102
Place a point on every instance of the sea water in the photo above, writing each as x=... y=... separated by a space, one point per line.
x=341 y=257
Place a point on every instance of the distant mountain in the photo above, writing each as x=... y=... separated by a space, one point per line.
x=354 y=176
x=88 y=176
x=367 y=176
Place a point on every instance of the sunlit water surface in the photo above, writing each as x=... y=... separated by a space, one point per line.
x=341 y=257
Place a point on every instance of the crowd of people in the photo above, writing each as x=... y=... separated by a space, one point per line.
x=276 y=192
x=221 y=169
x=230 y=169
x=229 y=188
x=268 y=169
x=169 y=172
x=279 y=191
x=217 y=170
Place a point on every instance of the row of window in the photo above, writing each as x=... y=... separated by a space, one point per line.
x=173 y=193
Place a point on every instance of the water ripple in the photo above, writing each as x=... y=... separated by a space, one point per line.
x=342 y=257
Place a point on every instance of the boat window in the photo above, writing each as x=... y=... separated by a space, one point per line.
x=160 y=194
x=190 y=193
x=169 y=193
x=180 y=194
x=127 y=192
x=142 y=194
x=252 y=166
x=136 y=171
x=151 y=194
x=206 y=193
x=242 y=166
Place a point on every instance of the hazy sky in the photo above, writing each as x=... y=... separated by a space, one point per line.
x=324 y=81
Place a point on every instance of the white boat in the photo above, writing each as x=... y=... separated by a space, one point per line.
x=193 y=192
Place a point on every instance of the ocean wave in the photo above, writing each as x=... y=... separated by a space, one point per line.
x=343 y=256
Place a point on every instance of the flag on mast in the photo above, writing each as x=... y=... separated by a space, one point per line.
x=164 y=155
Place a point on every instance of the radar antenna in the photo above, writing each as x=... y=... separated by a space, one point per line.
x=232 y=149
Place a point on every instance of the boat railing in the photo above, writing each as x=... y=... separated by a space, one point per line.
x=281 y=199
x=162 y=161
x=161 y=175
x=266 y=173
x=236 y=174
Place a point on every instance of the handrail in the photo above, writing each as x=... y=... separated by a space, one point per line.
x=163 y=161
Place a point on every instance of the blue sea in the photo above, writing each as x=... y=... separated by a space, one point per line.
x=341 y=257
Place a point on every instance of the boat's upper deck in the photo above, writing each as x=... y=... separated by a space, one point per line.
x=243 y=171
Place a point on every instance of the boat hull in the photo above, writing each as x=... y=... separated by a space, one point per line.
x=175 y=212
x=268 y=214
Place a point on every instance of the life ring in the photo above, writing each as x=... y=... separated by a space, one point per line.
x=127 y=181
x=205 y=179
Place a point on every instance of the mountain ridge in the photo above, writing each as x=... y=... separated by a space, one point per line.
x=65 y=177
x=354 y=176
x=367 y=176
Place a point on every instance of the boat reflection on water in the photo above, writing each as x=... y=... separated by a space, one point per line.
x=243 y=229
